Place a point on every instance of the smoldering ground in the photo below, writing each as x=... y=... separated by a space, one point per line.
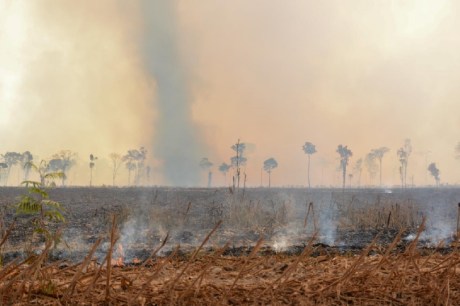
x=342 y=220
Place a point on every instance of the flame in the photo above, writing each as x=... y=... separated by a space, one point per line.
x=119 y=261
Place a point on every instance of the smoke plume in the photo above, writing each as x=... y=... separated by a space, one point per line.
x=175 y=142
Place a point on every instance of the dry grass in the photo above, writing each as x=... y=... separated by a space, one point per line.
x=204 y=278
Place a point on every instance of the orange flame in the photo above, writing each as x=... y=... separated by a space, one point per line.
x=119 y=261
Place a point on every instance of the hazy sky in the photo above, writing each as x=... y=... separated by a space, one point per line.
x=75 y=75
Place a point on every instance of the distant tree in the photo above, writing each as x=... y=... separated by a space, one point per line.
x=379 y=153
x=46 y=173
x=358 y=169
x=117 y=160
x=238 y=160
x=63 y=161
x=224 y=169
x=3 y=171
x=131 y=166
x=457 y=151
x=434 y=172
x=309 y=149
x=92 y=163
x=206 y=165
x=26 y=158
x=10 y=159
x=371 y=165
x=269 y=165
x=403 y=155
x=350 y=178
x=135 y=161
x=148 y=171
x=345 y=155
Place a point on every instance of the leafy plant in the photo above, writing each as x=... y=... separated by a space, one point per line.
x=46 y=212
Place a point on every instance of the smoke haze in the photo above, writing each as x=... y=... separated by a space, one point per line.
x=187 y=79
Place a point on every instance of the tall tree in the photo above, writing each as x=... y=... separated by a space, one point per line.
x=379 y=153
x=434 y=172
x=224 y=167
x=92 y=163
x=269 y=165
x=403 y=155
x=238 y=160
x=345 y=155
x=206 y=165
x=117 y=160
x=309 y=149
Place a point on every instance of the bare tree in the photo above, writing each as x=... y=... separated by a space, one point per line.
x=434 y=172
x=238 y=160
x=345 y=155
x=117 y=160
x=403 y=155
x=92 y=163
x=206 y=165
x=224 y=167
x=309 y=149
x=269 y=165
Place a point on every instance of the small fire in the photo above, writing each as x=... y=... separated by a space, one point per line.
x=118 y=260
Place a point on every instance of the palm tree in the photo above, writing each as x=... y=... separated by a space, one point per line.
x=269 y=165
x=309 y=149
x=345 y=155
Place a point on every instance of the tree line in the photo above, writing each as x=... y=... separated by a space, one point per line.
x=134 y=161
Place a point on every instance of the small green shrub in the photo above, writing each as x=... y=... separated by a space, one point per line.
x=45 y=212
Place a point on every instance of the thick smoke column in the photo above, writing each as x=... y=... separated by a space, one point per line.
x=176 y=137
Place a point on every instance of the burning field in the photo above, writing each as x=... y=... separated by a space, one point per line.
x=219 y=246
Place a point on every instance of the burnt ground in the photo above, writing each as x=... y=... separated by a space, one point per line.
x=336 y=223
